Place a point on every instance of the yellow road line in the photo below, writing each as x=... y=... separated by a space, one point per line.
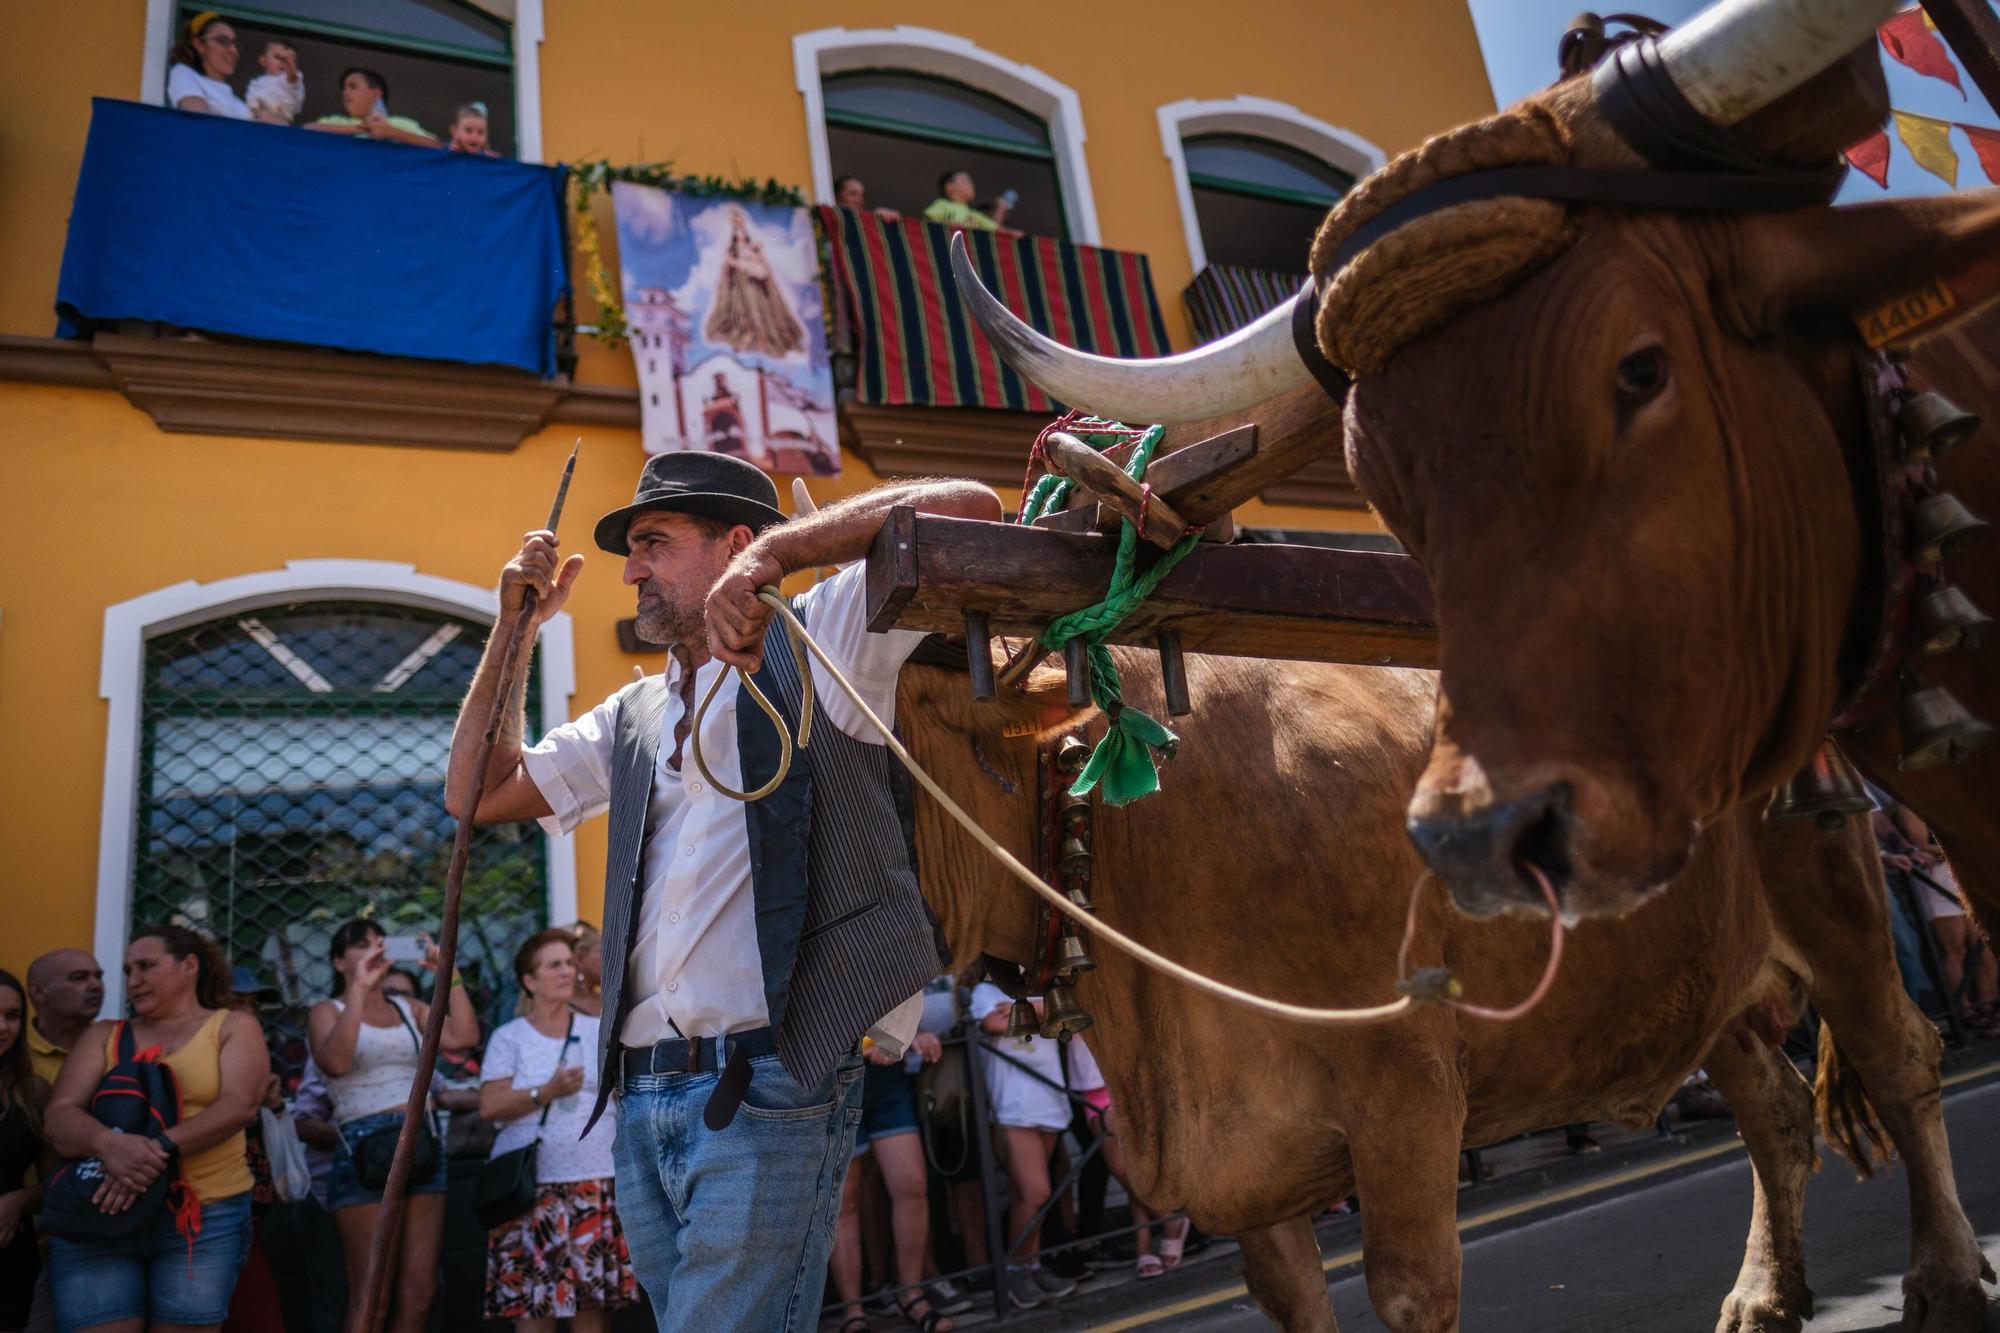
x=1490 y=1216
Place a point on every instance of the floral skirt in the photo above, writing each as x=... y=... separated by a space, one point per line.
x=564 y=1254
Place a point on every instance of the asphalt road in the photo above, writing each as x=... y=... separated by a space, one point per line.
x=1659 y=1257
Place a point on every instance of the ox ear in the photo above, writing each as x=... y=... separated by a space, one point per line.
x=1901 y=269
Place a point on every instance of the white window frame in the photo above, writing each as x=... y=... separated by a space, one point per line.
x=122 y=682
x=1280 y=122
x=527 y=23
x=826 y=51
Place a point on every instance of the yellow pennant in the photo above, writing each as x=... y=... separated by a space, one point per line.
x=1929 y=142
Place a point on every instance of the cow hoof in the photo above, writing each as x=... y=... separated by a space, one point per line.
x=1938 y=1303
x=1762 y=1310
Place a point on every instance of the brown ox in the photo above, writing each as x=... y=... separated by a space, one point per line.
x=1615 y=439
x=1276 y=860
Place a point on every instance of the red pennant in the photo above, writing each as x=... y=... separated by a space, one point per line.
x=1871 y=157
x=1985 y=143
x=1910 y=42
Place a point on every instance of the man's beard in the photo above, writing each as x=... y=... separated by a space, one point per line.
x=668 y=622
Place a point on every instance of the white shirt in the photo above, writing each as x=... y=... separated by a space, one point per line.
x=1017 y=1097
x=186 y=81
x=694 y=964
x=1084 y=1075
x=521 y=1057
x=275 y=92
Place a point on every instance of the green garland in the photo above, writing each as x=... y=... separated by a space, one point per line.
x=593 y=175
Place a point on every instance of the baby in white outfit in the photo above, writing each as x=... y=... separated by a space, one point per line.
x=278 y=94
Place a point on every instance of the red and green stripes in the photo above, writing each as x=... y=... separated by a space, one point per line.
x=915 y=341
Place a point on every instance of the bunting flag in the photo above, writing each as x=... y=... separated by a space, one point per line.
x=1909 y=40
x=1870 y=157
x=1986 y=147
x=915 y=342
x=1929 y=142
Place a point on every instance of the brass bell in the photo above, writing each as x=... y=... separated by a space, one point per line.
x=1825 y=790
x=1021 y=1021
x=1075 y=856
x=1936 y=727
x=1939 y=526
x=1064 y=1014
x=1073 y=956
x=1932 y=426
x=1072 y=754
x=1947 y=619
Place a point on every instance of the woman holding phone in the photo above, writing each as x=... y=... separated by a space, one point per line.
x=365 y=1043
x=565 y=1258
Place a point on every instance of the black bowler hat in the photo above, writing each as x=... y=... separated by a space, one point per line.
x=693 y=481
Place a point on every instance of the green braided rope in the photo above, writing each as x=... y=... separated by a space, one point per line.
x=1123 y=760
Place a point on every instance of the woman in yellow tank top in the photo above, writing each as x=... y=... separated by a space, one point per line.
x=178 y=988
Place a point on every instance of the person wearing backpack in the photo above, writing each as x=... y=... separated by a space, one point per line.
x=181 y=1269
x=555 y=1249
x=365 y=1043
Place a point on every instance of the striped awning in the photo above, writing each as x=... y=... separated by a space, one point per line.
x=915 y=342
x=1223 y=297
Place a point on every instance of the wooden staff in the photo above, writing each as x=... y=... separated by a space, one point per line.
x=371 y=1304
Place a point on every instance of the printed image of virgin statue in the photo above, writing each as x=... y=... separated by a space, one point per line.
x=750 y=313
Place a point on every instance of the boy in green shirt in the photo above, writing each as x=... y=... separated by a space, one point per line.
x=953 y=206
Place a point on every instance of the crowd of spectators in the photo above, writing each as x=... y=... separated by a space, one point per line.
x=204 y=65
x=277 y=1162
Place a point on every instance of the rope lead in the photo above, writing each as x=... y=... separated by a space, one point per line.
x=1430 y=986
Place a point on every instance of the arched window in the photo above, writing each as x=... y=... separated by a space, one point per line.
x=1255 y=177
x=899 y=131
x=899 y=107
x=1258 y=202
x=291 y=776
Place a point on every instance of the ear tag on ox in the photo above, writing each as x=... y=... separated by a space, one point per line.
x=1908 y=314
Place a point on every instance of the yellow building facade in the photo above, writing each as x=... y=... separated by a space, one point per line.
x=136 y=515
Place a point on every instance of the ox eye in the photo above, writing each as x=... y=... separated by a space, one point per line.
x=1641 y=376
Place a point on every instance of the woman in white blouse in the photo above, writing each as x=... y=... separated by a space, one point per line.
x=566 y=1257
x=203 y=62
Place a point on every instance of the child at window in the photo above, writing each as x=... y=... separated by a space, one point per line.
x=468 y=131
x=278 y=94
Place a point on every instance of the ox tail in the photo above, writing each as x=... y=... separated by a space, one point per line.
x=1840 y=1103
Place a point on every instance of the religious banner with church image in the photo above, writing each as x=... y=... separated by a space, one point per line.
x=722 y=302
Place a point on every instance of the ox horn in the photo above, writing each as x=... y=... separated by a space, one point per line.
x=1232 y=375
x=1737 y=57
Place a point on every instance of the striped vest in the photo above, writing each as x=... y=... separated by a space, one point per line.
x=842 y=931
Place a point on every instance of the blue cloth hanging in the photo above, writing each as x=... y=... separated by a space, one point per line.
x=272 y=232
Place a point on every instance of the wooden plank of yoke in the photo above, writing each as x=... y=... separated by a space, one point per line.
x=1304 y=603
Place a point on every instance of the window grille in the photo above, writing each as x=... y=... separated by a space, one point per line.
x=291 y=777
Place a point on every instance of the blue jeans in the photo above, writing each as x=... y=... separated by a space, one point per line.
x=160 y=1278
x=732 y=1229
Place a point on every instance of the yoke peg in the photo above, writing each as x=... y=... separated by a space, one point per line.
x=1173 y=674
x=1076 y=662
x=979 y=655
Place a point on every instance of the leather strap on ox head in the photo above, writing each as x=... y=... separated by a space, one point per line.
x=1696 y=166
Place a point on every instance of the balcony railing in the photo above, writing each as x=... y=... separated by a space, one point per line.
x=276 y=234
x=1225 y=297
x=914 y=341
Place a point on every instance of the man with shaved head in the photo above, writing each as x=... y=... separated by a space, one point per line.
x=66 y=989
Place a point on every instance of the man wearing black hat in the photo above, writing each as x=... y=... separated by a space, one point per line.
x=747 y=947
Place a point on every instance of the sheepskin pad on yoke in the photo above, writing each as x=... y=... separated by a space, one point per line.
x=1424 y=272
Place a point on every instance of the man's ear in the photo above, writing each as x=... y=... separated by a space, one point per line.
x=740 y=538
x=1901 y=269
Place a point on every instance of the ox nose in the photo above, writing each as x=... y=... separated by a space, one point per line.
x=1480 y=854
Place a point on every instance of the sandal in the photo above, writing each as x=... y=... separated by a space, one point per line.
x=857 y=1323
x=1149 y=1265
x=1173 y=1242
x=930 y=1321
